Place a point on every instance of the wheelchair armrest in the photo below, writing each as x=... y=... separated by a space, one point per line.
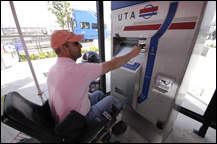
x=91 y=131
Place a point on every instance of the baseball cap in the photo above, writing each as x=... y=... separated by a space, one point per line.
x=59 y=37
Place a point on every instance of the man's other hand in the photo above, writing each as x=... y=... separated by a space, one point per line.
x=89 y=97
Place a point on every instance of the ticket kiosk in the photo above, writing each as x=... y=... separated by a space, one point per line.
x=153 y=84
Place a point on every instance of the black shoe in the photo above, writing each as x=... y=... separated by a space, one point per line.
x=116 y=108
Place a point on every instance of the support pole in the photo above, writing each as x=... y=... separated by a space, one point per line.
x=25 y=49
x=209 y=116
x=100 y=24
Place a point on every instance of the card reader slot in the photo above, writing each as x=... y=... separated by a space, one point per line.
x=142 y=45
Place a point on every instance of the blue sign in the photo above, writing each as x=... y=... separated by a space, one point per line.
x=19 y=47
x=18 y=40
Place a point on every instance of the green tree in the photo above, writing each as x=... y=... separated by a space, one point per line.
x=62 y=11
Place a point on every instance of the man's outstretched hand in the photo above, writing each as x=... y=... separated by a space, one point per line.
x=135 y=51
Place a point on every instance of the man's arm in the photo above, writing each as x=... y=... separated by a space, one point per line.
x=119 y=61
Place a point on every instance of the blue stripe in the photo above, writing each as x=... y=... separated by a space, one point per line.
x=121 y=4
x=153 y=51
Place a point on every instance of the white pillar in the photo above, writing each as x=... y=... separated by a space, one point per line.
x=25 y=49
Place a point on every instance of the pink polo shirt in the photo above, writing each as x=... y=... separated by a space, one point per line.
x=68 y=84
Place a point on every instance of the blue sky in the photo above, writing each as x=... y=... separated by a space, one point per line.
x=35 y=13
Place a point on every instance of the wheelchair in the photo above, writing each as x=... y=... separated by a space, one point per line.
x=37 y=122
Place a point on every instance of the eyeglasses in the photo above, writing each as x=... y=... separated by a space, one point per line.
x=76 y=43
x=66 y=44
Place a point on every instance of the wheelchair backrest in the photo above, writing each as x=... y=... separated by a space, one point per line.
x=36 y=120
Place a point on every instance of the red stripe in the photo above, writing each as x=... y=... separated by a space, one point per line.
x=185 y=25
x=148 y=10
x=142 y=27
x=173 y=26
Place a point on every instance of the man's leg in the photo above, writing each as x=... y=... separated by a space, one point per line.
x=96 y=97
x=98 y=108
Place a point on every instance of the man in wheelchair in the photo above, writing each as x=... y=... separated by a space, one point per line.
x=72 y=113
x=68 y=81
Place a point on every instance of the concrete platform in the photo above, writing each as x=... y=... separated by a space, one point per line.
x=18 y=77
